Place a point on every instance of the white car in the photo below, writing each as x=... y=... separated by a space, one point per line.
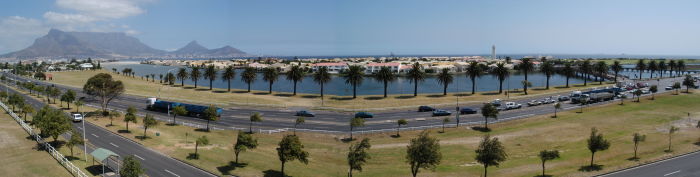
x=513 y=105
x=77 y=117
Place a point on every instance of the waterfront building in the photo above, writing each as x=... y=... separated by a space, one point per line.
x=332 y=67
x=375 y=67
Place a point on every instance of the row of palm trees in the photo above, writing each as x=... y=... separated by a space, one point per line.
x=355 y=75
x=661 y=66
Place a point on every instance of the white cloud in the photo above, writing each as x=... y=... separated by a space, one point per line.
x=61 y=18
x=110 y=9
x=18 y=32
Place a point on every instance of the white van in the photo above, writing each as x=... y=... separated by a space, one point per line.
x=77 y=117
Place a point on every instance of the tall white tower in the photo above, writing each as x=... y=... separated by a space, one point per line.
x=493 y=52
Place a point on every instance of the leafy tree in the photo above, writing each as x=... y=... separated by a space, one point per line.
x=52 y=122
x=27 y=109
x=557 y=106
x=248 y=76
x=641 y=66
x=356 y=122
x=211 y=114
x=78 y=104
x=228 y=75
x=526 y=66
x=547 y=68
x=131 y=167
x=321 y=76
x=385 y=75
x=688 y=82
x=358 y=155
x=256 y=117
x=637 y=138
x=15 y=100
x=270 y=74
x=354 y=76
x=637 y=93
x=622 y=99
x=211 y=74
x=244 y=142
x=130 y=116
x=103 y=87
x=444 y=121
x=148 y=121
x=474 y=70
x=653 y=89
x=616 y=67
x=111 y=116
x=68 y=97
x=399 y=123
x=203 y=140
x=676 y=86
x=75 y=139
x=488 y=111
x=546 y=155
x=182 y=74
x=502 y=72
x=290 y=149
x=596 y=142
x=195 y=75
x=416 y=74
x=671 y=131
x=300 y=120
x=178 y=111
x=601 y=68
x=296 y=74
x=53 y=92
x=170 y=78
x=423 y=152
x=444 y=78
x=490 y=153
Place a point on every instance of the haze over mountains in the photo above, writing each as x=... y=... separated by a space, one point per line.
x=58 y=43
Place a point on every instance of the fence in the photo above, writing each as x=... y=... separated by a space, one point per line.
x=57 y=155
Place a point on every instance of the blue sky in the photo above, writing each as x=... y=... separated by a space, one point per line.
x=373 y=27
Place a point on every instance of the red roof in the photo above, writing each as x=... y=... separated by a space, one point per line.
x=330 y=64
x=383 y=64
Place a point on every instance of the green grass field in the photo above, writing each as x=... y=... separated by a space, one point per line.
x=137 y=86
x=522 y=138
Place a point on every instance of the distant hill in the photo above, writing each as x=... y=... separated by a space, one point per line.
x=58 y=43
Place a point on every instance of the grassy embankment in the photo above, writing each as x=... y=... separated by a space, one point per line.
x=21 y=156
x=137 y=86
x=522 y=138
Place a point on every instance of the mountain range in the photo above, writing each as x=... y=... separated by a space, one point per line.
x=58 y=43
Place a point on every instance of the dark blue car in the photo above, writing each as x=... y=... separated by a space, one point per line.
x=440 y=112
x=304 y=113
x=425 y=109
x=364 y=115
x=467 y=111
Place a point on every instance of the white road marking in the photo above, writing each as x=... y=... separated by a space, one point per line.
x=172 y=173
x=137 y=156
x=672 y=173
x=113 y=144
x=94 y=135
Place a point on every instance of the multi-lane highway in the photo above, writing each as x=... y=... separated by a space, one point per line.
x=682 y=166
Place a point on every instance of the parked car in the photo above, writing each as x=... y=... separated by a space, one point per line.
x=425 y=109
x=549 y=101
x=496 y=102
x=513 y=105
x=305 y=113
x=645 y=91
x=467 y=111
x=669 y=87
x=534 y=103
x=441 y=112
x=564 y=98
x=77 y=117
x=364 y=115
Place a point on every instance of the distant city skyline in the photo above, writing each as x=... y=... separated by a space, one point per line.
x=365 y=27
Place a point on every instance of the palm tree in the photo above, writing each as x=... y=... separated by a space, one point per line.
x=195 y=75
x=321 y=76
x=270 y=74
x=474 y=70
x=385 y=75
x=296 y=74
x=641 y=66
x=502 y=72
x=652 y=68
x=525 y=66
x=601 y=67
x=211 y=74
x=228 y=75
x=416 y=75
x=248 y=76
x=445 y=78
x=585 y=69
x=354 y=76
x=568 y=71
x=616 y=68
x=680 y=66
x=182 y=75
x=548 y=69
x=662 y=68
x=671 y=67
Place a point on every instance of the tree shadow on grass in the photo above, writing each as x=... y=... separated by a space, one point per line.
x=490 y=93
x=481 y=129
x=192 y=156
x=395 y=136
x=202 y=89
x=374 y=98
x=560 y=87
x=141 y=137
x=226 y=169
x=188 y=87
x=123 y=131
x=284 y=94
x=311 y=96
x=347 y=140
x=404 y=97
x=201 y=130
x=633 y=159
x=261 y=93
x=95 y=170
x=539 y=89
x=241 y=91
x=273 y=173
x=579 y=85
x=436 y=96
x=697 y=143
x=589 y=168
x=72 y=158
x=171 y=124
x=220 y=91
x=342 y=98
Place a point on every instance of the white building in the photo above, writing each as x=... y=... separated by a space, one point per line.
x=332 y=67
x=375 y=67
x=86 y=66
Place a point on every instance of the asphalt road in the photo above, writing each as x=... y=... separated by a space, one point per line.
x=682 y=166
x=154 y=163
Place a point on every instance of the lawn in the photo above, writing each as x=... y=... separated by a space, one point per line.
x=522 y=138
x=20 y=155
x=137 y=86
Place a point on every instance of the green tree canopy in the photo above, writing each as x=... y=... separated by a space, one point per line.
x=290 y=149
x=423 y=152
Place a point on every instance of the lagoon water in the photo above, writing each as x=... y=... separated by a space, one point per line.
x=369 y=86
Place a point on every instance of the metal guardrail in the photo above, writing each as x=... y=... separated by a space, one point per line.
x=75 y=171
